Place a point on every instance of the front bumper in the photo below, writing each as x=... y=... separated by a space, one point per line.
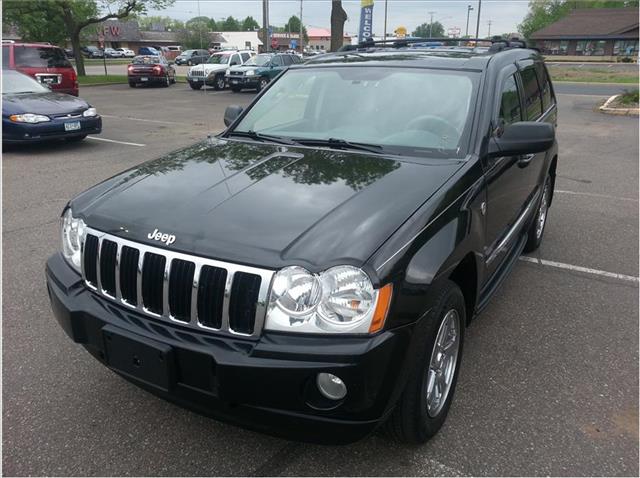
x=266 y=385
x=242 y=81
x=52 y=130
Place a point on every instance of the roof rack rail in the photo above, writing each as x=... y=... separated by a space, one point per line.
x=497 y=43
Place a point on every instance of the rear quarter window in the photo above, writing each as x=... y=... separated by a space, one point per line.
x=545 y=87
x=532 y=99
x=40 y=57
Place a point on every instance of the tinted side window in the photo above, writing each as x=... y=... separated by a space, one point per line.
x=43 y=57
x=287 y=60
x=245 y=56
x=510 y=111
x=277 y=60
x=532 y=100
x=5 y=57
x=545 y=86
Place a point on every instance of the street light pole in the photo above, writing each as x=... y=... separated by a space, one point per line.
x=301 y=37
x=265 y=24
x=431 y=23
x=385 y=20
x=489 y=23
x=478 y=21
x=466 y=32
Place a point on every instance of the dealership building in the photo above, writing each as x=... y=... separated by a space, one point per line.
x=605 y=34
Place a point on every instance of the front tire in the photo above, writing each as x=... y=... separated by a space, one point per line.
x=76 y=139
x=195 y=86
x=235 y=89
x=132 y=84
x=189 y=63
x=536 y=230
x=167 y=81
x=219 y=83
x=423 y=406
x=262 y=84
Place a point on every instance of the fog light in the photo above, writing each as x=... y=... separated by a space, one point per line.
x=331 y=386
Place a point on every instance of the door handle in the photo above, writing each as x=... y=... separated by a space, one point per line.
x=525 y=159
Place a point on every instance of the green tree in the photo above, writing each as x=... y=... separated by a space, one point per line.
x=545 y=12
x=293 y=26
x=429 y=30
x=196 y=32
x=147 y=22
x=250 y=24
x=76 y=15
x=230 y=25
x=338 y=17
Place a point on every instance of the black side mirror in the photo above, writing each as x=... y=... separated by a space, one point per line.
x=524 y=137
x=231 y=113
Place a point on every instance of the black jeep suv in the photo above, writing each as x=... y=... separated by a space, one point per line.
x=310 y=271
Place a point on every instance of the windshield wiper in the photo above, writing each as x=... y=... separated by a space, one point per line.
x=341 y=144
x=262 y=137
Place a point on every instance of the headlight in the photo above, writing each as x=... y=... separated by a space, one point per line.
x=340 y=300
x=29 y=118
x=73 y=233
x=90 y=112
x=250 y=72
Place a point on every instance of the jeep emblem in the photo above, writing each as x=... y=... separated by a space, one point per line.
x=156 y=235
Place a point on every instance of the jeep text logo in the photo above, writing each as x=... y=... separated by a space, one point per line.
x=156 y=235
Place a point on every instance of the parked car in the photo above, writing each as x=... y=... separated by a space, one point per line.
x=212 y=72
x=31 y=112
x=147 y=70
x=92 y=52
x=126 y=52
x=311 y=271
x=192 y=57
x=69 y=53
x=148 y=51
x=47 y=64
x=113 y=53
x=258 y=71
x=171 y=52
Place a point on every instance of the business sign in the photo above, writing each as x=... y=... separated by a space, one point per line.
x=454 y=32
x=366 y=21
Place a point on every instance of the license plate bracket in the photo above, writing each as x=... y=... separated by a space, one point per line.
x=72 y=126
x=140 y=358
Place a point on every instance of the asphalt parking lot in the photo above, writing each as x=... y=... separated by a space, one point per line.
x=549 y=379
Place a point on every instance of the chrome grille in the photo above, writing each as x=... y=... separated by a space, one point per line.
x=193 y=291
x=196 y=73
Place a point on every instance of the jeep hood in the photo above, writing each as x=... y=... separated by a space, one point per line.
x=265 y=205
x=208 y=67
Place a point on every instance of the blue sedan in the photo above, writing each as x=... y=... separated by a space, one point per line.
x=33 y=113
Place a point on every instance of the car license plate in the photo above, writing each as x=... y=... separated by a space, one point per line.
x=72 y=126
x=139 y=357
x=234 y=81
x=144 y=78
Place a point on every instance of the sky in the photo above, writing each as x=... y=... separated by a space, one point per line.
x=503 y=15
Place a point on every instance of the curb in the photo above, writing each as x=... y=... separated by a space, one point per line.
x=117 y=83
x=617 y=111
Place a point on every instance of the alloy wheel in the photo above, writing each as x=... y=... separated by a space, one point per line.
x=443 y=362
x=541 y=219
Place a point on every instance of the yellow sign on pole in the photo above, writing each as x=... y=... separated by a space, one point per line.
x=401 y=32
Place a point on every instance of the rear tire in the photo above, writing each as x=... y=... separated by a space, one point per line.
x=167 y=82
x=132 y=84
x=421 y=410
x=189 y=63
x=536 y=230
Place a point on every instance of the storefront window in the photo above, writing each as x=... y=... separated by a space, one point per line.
x=599 y=47
x=564 y=44
x=625 y=47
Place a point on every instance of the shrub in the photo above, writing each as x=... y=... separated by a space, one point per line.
x=629 y=97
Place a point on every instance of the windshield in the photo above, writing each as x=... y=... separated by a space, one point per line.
x=144 y=60
x=259 y=60
x=403 y=110
x=14 y=83
x=187 y=53
x=42 y=57
x=218 y=59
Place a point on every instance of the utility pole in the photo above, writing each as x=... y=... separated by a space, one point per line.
x=489 y=23
x=200 y=29
x=301 y=37
x=466 y=32
x=385 y=20
x=265 y=25
x=478 y=21
x=431 y=23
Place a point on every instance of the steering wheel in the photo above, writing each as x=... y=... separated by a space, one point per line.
x=435 y=125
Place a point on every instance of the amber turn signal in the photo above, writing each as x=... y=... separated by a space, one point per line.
x=382 y=308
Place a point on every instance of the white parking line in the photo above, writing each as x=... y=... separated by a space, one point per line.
x=586 y=270
x=604 y=196
x=114 y=141
x=142 y=119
